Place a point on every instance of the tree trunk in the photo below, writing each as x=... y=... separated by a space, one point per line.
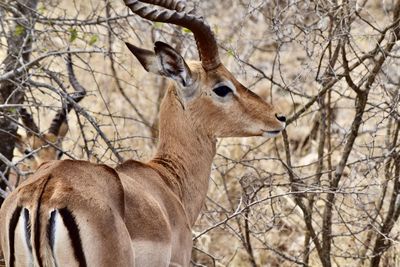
x=19 y=40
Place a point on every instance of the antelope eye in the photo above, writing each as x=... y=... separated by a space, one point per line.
x=28 y=154
x=222 y=91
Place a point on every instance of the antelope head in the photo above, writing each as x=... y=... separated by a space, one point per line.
x=40 y=147
x=208 y=92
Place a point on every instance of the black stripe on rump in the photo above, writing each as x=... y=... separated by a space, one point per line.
x=51 y=229
x=11 y=234
x=73 y=231
x=27 y=229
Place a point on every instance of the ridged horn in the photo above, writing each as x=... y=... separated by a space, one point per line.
x=174 y=13
x=28 y=121
x=79 y=94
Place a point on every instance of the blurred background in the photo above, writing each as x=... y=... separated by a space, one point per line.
x=325 y=193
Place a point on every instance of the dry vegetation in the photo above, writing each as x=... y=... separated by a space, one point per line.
x=325 y=193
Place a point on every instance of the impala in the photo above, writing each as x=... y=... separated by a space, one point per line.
x=76 y=213
x=38 y=148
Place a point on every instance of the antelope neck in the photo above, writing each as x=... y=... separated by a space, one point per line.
x=185 y=154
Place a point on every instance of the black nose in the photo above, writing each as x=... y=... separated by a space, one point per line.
x=281 y=118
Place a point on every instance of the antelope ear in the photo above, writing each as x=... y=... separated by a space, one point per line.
x=166 y=61
x=19 y=143
x=172 y=64
x=147 y=58
x=63 y=130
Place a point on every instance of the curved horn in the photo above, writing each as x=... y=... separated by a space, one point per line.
x=28 y=121
x=80 y=91
x=174 y=13
x=79 y=94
